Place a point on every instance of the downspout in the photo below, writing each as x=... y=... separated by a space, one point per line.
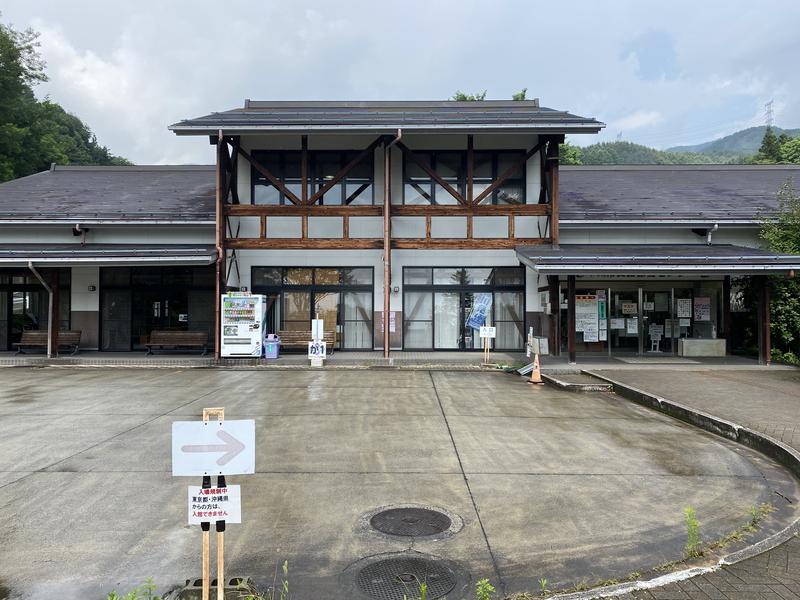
x=50 y=353
x=387 y=238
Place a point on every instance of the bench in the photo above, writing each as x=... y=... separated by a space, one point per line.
x=38 y=339
x=177 y=340
x=298 y=340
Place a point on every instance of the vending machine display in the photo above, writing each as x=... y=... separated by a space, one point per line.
x=243 y=316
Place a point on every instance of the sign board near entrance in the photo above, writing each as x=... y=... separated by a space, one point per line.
x=213 y=447
x=317 y=350
x=630 y=308
x=586 y=316
x=215 y=504
x=488 y=332
x=480 y=308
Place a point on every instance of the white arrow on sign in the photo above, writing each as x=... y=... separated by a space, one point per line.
x=213 y=447
x=232 y=447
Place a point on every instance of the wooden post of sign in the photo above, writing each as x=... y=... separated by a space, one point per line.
x=220 y=526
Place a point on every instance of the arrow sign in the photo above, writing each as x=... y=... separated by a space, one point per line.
x=213 y=448
x=232 y=448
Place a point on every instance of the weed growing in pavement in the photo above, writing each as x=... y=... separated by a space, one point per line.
x=146 y=591
x=484 y=590
x=692 y=549
x=543 y=586
x=423 y=593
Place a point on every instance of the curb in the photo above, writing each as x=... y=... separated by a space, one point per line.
x=775 y=449
x=576 y=387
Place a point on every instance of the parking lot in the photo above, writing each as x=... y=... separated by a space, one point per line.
x=545 y=484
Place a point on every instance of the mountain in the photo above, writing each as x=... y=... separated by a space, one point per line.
x=744 y=142
x=627 y=153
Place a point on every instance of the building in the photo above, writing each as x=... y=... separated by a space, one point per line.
x=598 y=259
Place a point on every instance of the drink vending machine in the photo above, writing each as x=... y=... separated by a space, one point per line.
x=243 y=325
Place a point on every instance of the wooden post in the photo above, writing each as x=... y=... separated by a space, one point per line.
x=387 y=249
x=221 y=565
x=52 y=318
x=470 y=169
x=304 y=169
x=219 y=412
x=553 y=160
x=220 y=242
x=726 y=313
x=555 y=315
x=206 y=529
x=571 y=318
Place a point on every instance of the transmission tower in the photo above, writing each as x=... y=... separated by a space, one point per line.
x=768 y=113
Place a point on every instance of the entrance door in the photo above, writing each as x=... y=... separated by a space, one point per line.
x=657 y=321
x=623 y=322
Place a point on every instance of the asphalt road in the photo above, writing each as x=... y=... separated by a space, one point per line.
x=570 y=487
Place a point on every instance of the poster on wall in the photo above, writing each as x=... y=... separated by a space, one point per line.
x=684 y=322
x=603 y=333
x=702 y=309
x=586 y=317
x=481 y=304
x=668 y=328
x=632 y=325
x=617 y=323
x=683 y=306
x=648 y=306
x=630 y=308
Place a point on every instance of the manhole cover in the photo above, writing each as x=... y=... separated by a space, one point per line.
x=410 y=522
x=399 y=577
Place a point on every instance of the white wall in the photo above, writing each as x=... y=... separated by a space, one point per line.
x=81 y=299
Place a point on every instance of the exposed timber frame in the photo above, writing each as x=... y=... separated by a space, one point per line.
x=228 y=205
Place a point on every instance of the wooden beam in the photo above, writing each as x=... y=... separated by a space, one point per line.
x=508 y=172
x=411 y=210
x=431 y=173
x=346 y=227
x=464 y=243
x=219 y=227
x=511 y=226
x=304 y=168
x=555 y=315
x=387 y=245
x=306 y=244
x=355 y=194
x=263 y=232
x=344 y=171
x=470 y=169
x=272 y=179
x=377 y=243
x=469 y=227
x=427 y=226
x=304 y=221
x=291 y=210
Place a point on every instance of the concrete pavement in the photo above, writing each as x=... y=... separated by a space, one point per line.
x=571 y=487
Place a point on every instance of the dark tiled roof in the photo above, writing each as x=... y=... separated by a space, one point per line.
x=86 y=194
x=524 y=116
x=625 y=258
x=677 y=193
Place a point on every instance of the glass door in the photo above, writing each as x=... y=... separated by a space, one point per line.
x=624 y=322
x=657 y=321
x=28 y=312
x=448 y=316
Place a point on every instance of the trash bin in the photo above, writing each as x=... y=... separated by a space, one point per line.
x=272 y=346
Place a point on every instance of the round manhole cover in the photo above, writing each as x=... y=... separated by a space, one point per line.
x=399 y=577
x=410 y=521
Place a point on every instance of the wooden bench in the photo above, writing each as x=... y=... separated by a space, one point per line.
x=298 y=340
x=177 y=340
x=38 y=339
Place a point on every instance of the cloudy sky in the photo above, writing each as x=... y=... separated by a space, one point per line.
x=658 y=73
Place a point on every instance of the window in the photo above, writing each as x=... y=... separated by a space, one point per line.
x=354 y=188
x=420 y=188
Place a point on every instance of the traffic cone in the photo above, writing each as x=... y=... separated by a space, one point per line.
x=536 y=372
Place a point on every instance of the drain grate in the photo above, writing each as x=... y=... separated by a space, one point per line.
x=399 y=577
x=410 y=522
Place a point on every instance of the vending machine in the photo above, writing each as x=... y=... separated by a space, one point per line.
x=243 y=326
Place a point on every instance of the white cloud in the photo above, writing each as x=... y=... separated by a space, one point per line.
x=129 y=69
x=641 y=118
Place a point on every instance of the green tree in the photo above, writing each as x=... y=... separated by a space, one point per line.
x=769 y=152
x=460 y=96
x=520 y=95
x=569 y=154
x=790 y=151
x=35 y=133
x=781 y=233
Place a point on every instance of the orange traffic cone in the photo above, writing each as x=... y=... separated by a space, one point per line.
x=536 y=372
